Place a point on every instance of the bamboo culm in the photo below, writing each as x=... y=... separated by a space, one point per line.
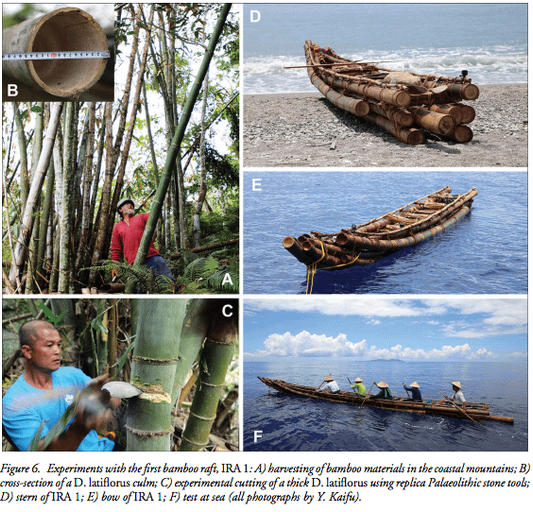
x=153 y=370
x=155 y=211
x=216 y=357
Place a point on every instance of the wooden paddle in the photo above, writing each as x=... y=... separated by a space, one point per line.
x=408 y=395
x=457 y=407
x=321 y=384
x=368 y=393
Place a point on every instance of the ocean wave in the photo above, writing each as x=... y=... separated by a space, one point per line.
x=494 y=64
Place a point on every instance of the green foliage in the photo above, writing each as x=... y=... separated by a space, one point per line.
x=144 y=277
x=53 y=319
x=206 y=275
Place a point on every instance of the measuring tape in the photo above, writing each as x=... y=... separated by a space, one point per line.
x=56 y=55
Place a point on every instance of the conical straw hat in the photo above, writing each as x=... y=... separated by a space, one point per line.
x=457 y=384
x=359 y=379
x=414 y=385
x=382 y=384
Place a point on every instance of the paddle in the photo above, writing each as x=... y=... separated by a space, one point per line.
x=408 y=395
x=321 y=384
x=457 y=407
x=368 y=393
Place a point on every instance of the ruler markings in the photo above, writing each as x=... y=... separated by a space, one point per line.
x=56 y=55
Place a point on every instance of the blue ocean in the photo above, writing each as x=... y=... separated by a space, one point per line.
x=291 y=423
x=488 y=40
x=484 y=253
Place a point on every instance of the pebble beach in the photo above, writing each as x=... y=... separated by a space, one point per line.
x=305 y=130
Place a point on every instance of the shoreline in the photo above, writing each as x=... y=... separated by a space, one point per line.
x=305 y=130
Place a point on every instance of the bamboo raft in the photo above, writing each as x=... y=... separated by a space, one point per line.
x=473 y=411
x=406 y=104
x=366 y=243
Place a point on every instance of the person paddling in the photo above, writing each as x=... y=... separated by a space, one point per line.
x=384 y=391
x=414 y=388
x=458 y=398
x=329 y=385
x=358 y=387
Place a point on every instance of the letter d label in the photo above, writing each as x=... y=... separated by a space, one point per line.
x=255 y=16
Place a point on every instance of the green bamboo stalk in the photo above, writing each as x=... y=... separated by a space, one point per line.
x=155 y=356
x=33 y=245
x=157 y=204
x=35 y=190
x=193 y=335
x=24 y=179
x=45 y=218
x=216 y=357
x=65 y=224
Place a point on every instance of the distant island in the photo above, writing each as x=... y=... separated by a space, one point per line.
x=381 y=360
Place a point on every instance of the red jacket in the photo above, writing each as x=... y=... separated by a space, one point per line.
x=127 y=238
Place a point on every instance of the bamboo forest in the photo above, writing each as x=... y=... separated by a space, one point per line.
x=181 y=354
x=168 y=146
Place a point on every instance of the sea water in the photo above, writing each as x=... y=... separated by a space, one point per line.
x=488 y=40
x=484 y=253
x=289 y=423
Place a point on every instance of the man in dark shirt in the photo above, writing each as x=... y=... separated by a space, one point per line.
x=414 y=388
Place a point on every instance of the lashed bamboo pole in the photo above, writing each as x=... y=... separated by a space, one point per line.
x=468 y=113
x=411 y=136
x=408 y=241
x=443 y=124
x=462 y=133
x=450 y=109
x=398 y=115
x=357 y=107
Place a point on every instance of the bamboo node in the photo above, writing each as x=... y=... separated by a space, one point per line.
x=203 y=418
x=149 y=433
x=155 y=362
x=201 y=445
x=203 y=383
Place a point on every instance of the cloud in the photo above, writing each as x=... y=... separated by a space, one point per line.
x=339 y=305
x=305 y=344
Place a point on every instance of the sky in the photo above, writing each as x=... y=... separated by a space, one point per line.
x=380 y=327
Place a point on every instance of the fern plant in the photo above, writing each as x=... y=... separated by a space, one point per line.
x=208 y=273
x=146 y=280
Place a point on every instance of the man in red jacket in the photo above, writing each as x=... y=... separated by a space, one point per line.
x=127 y=235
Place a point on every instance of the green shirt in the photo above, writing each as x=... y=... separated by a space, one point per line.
x=359 y=388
